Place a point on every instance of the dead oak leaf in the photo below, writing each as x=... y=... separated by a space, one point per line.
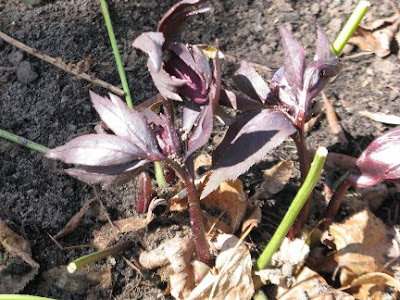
x=310 y=285
x=230 y=198
x=361 y=242
x=378 y=36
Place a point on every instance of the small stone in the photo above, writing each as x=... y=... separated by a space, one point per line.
x=15 y=57
x=335 y=25
x=25 y=73
x=264 y=49
x=315 y=8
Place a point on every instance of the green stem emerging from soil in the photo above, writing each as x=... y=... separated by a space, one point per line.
x=96 y=256
x=350 y=26
x=23 y=141
x=118 y=61
x=104 y=8
x=294 y=209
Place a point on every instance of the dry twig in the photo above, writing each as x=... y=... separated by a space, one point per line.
x=70 y=68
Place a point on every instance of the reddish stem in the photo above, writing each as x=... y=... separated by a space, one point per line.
x=196 y=216
x=334 y=204
x=305 y=163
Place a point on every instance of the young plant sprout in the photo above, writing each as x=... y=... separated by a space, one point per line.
x=378 y=163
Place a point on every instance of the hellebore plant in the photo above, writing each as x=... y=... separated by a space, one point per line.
x=379 y=162
x=143 y=136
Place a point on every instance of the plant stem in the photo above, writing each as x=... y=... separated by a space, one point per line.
x=159 y=172
x=334 y=204
x=196 y=216
x=22 y=297
x=120 y=67
x=23 y=141
x=294 y=209
x=305 y=164
x=350 y=26
x=96 y=256
x=104 y=9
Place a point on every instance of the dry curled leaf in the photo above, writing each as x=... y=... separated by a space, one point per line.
x=12 y=281
x=373 y=280
x=231 y=278
x=253 y=220
x=377 y=36
x=310 y=285
x=74 y=221
x=230 y=198
x=361 y=243
x=371 y=197
x=275 y=179
x=285 y=262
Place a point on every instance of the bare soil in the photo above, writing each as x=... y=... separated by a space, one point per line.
x=44 y=104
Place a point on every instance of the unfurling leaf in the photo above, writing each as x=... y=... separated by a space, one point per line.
x=247 y=142
x=151 y=43
x=251 y=83
x=144 y=193
x=380 y=161
x=174 y=20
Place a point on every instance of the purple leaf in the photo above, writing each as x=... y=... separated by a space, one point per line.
x=107 y=176
x=251 y=83
x=151 y=43
x=323 y=51
x=246 y=143
x=239 y=102
x=174 y=20
x=190 y=63
x=380 y=161
x=294 y=59
x=125 y=122
x=97 y=150
x=202 y=129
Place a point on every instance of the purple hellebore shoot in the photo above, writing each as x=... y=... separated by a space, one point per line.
x=379 y=162
x=274 y=111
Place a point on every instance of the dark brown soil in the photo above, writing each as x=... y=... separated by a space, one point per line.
x=49 y=106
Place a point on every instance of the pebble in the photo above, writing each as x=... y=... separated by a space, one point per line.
x=25 y=73
x=315 y=8
x=335 y=25
x=15 y=57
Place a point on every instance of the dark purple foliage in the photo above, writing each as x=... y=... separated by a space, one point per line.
x=105 y=158
x=380 y=161
x=174 y=20
x=280 y=108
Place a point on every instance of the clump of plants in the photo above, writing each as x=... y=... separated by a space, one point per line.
x=189 y=78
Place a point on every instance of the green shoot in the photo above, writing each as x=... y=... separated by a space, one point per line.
x=96 y=256
x=23 y=141
x=159 y=170
x=350 y=26
x=294 y=209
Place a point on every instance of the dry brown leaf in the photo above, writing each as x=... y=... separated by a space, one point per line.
x=310 y=285
x=373 y=280
x=93 y=277
x=74 y=221
x=177 y=253
x=381 y=117
x=253 y=220
x=275 y=180
x=215 y=223
x=230 y=198
x=11 y=280
x=377 y=36
x=201 y=161
x=361 y=243
x=109 y=232
x=232 y=274
x=285 y=262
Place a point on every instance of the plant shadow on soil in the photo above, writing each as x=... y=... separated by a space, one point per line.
x=49 y=106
